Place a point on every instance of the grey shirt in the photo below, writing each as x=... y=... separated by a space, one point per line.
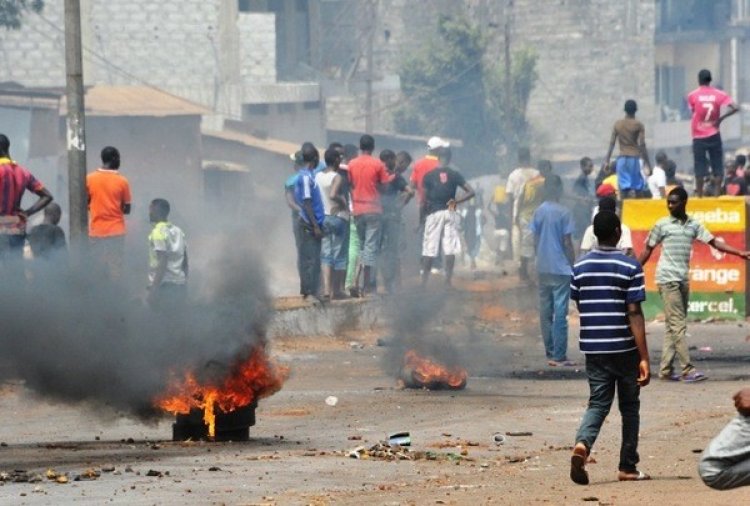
x=676 y=239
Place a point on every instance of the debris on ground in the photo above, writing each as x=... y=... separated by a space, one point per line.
x=519 y=433
x=388 y=452
x=152 y=472
x=88 y=475
x=332 y=400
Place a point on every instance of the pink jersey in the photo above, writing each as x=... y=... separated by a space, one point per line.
x=706 y=103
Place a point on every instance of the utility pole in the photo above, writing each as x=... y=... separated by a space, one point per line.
x=372 y=13
x=76 y=141
x=509 y=141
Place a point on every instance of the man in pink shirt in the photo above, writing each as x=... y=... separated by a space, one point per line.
x=706 y=103
x=366 y=174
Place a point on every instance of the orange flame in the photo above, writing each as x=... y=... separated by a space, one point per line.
x=426 y=372
x=254 y=377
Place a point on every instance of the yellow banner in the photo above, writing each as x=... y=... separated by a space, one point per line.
x=724 y=214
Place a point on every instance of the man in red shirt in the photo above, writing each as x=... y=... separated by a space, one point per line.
x=366 y=174
x=14 y=181
x=706 y=103
x=421 y=167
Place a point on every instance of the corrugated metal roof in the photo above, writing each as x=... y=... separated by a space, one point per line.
x=104 y=100
x=272 y=145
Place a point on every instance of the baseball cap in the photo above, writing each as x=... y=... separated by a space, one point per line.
x=436 y=142
x=297 y=158
x=605 y=190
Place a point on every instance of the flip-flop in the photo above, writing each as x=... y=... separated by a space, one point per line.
x=578 y=471
x=637 y=476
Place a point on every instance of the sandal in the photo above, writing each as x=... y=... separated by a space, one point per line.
x=636 y=476
x=578 y=471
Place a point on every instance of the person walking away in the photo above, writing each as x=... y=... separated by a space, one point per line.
x=14 y=181
x=500 y=211
x=657 y=181
x=583 y=196
x=109 y=202
x=310 y=223
x=366 y=174
x=47 y=240
x=608 y=289
x=631 y=135
x=395 y=195
x=531 y=198
x=676 y=234
x=589 y=241
x=725 y=464
x=335 y=243
x=442 y=222
x=706 y=102
x=167 y=259
x=552 y=227
x=517 y=179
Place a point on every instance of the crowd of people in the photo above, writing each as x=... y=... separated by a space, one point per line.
x=109 y=200
x=347 y=216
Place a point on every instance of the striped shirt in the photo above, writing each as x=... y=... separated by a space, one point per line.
x=14 y=181
x=603 y=283
x=676 y=240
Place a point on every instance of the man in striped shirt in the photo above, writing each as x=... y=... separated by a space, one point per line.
x=676 y=234
x=608 y=288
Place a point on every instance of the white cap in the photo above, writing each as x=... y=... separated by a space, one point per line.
x=437 y=142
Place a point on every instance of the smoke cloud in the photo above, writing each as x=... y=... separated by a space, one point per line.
x=75 y=337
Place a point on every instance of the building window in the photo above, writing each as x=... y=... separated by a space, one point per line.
x=286 y=108
x=257 y=109
x=692 y=15
x=311 y=106
x=252 y=5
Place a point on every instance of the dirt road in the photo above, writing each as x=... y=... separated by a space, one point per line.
x=297 y=454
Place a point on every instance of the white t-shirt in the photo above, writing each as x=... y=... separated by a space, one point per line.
x=170 y=239
x=590 y=241
x=657 y=180
x=324 y=180
x=516 y=181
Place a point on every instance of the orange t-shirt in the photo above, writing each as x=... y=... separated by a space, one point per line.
x=420 y=170
x=108 y=192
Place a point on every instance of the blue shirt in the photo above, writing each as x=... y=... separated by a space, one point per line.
x=305 y=188
x=603 y=283
x=550 y=224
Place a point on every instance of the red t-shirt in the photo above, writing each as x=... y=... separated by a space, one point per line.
x=419 y=171
x=14 y=181
x=706 y=103
x=365 y=173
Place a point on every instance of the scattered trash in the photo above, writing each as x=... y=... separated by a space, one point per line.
x=356 y=453
x=214 y=468
x=519 y=433
x=590 y=498
x=354 y=438
x=152 y=472
x=710 y=319
x=697 y=450
x=389 y=452
x=400 y=438
x=511 y=334
x=332 y=400
x=705 y=348
x=108 y=468
x=499 y=438
x=515 y=459
x=62 y=479
x=88 y=475
x=356 y=346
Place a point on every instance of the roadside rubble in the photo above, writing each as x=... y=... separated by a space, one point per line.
x=393 y=452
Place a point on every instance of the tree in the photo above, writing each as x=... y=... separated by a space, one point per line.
x=12 y=11
x=451 y=88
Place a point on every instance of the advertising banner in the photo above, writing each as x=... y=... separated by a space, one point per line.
x=717 y=280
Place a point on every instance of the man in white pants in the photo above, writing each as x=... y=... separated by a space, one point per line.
x=442 y=223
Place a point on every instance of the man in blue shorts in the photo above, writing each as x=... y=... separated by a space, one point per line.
x=631 y=134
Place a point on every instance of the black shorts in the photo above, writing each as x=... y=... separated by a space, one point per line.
x=711 y=148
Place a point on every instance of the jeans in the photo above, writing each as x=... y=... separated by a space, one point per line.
x=369 y=229
x=390 y=261
x=725 y=463
x=554 y=295
x=605 y=372
x=674 y=295
x=713 y=148
x=309 y=260
x=335 y=246
x=297 y=239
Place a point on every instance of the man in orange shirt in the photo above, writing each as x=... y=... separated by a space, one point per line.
x=109 y=202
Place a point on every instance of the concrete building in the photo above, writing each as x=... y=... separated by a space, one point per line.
x=221 y=54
